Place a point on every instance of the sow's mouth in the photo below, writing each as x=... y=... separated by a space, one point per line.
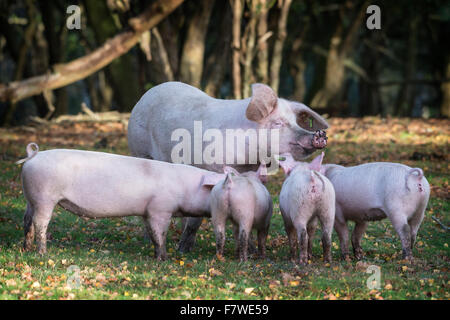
x=317 y=141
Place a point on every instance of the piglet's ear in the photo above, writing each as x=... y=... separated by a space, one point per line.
x=262 y=173
x=316 y=164
x=211 y=179
x=287 y=162
x=264 y=100
x=232 y=171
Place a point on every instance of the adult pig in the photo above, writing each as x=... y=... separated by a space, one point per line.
x=103 y=185
x=244 y=200
x=374 y=191
x=174 y=105
x=306 y=196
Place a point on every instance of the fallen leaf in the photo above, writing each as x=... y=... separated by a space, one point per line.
x=249 y=290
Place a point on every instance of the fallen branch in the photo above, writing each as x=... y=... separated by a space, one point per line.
x=440 y=223
x=94 y=117
x=80 y=68
x=110 y=116
x=89 y=112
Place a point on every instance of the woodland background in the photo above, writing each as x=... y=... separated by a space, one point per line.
x=317 y=52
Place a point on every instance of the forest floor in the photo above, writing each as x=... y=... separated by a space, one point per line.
x=112 y=259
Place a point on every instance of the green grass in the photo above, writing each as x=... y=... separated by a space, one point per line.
x=116 y=262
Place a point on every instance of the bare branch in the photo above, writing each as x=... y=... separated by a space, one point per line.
x=80 y=68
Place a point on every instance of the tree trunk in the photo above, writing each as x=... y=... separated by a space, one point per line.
x=80 y=68
x=55 y=33
x=405 y=99
x=171 y=29
x=262 y=68
x=167 y=69
x=340 y=49
x=298 y=64
x=237 y=8
x=22 y=55
x=277 y=55
x=370 y=102
x=121 y=70
x=191 y=67
x=218 y=62
x=248 y=48
x=445 y=88
x=334 y=73
x=37 y=64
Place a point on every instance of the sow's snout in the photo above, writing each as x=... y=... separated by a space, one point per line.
x=319 y=139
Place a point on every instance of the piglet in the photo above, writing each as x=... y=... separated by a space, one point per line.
x=101 y=185
x=374 y=191
x=244 y=200
x=306 y=195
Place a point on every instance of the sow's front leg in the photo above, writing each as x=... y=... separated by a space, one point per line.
x=190 y=227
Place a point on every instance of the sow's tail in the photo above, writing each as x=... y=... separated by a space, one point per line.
x=32 y=150
x=417 y=173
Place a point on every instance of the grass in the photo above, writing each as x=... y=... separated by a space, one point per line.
x=114 y=261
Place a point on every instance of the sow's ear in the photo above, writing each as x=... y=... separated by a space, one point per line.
x=307 y=118
x=263 y=102
x=211 y=179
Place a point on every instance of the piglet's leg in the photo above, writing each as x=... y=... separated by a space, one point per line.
x=415 y=223
x=342 y=231
x=158 y=223
x=292 y=236
x=219 y=221
x=28 y=228
x=41 y=219
x=357 y=234
x=251 y=244
x=262 y=236
x=302 y=240
x=327 y=229
x=244 y=232
x=312 y=225
x=403 y=229
x=236 y=240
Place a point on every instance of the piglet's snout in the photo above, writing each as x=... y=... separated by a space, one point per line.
x=319 y=139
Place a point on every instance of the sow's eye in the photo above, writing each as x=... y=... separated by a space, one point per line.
x=305 y=121
x=277 y=124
